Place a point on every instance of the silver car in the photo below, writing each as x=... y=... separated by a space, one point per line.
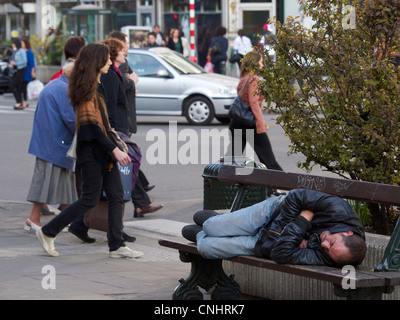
x=170 y=84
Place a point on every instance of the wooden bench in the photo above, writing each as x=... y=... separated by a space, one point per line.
x=365 y=283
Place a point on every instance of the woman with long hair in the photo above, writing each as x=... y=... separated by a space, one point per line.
x=261 y=143
x=94 y=149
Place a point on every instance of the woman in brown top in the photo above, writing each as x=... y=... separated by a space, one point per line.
x=94 y=149
x=261 y=143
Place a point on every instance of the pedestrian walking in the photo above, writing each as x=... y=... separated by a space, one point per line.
x=140 y=198
x=95 y=153
x=30 y=70
x=217 y=51
x=71 y=49
x=261 y=144
x=241 y=45
x=53 y=180
x=18 y=62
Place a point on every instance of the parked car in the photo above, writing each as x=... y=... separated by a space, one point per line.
x=6 y=72
x=170 y=84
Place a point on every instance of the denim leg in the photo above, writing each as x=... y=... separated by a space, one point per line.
x=225 y=247
x=235 y=233
x=243 y=222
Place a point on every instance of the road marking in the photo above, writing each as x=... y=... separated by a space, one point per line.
x=10 y=110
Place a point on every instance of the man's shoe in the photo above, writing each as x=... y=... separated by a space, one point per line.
x=128 y=238
x=275 y=193
x=47 y=212
x=125 y=252
x=201 y=216
x=139 y=212
x=190 y=232
x=81 y=235
x=149 y=187
x=47 y=243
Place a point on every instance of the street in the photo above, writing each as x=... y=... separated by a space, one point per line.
x=173 y=158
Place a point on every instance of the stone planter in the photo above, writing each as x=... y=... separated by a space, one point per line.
x=44 y=73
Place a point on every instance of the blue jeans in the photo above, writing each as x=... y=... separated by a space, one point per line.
x=235 y=233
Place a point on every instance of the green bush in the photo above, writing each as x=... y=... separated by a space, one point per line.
x=345 y=114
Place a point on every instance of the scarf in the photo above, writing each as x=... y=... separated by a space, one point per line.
x=93 y=113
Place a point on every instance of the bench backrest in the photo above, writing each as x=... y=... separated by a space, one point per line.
x=345 y=188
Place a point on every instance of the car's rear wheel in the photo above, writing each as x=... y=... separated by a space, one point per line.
x=198 y=110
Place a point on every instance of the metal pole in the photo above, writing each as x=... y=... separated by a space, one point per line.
x=192 y=31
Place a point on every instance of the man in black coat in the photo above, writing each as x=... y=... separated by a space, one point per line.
x=302 y=227
x=140 y=198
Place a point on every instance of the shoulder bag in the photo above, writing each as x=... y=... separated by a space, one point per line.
x=240 y=112
x=116 y=139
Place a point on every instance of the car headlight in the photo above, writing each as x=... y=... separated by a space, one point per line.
x=232 y=91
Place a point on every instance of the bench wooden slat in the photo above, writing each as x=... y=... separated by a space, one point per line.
x=349 y=189
x=363 y=278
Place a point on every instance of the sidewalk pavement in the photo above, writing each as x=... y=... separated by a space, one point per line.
x=85 y=271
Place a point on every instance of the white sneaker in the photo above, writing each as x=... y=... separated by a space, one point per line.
x=47 y=243
x=125 y=252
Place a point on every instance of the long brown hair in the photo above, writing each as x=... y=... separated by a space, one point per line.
x=249 y=62
x=82 y=84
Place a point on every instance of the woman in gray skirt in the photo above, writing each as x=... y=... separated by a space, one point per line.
x=53 y=130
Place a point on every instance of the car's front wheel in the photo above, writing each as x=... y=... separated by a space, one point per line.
x=198 y=110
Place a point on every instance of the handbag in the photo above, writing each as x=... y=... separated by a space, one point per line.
x=116 y=139
x=235 y=58
x=240 y=112
x=71 y=153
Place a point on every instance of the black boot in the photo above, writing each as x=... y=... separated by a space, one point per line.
x=201 y=216
x=190 y=232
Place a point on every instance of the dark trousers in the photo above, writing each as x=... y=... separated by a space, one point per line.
x=261 y=145
x=94 y=180
x=16 y=84
x=140 y=198
x=25 y=90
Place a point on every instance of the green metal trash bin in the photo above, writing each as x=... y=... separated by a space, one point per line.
x=220 y=195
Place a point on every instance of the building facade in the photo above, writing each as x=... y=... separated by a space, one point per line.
x=105 y=15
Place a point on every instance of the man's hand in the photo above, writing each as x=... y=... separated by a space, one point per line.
x=309 y=215
x=133 y=76
x=303 y=244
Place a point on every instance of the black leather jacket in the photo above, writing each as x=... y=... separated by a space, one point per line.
x=280 y=239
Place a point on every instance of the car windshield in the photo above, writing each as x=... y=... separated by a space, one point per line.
x=181 y=64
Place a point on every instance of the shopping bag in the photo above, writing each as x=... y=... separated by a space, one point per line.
x=209 y=67
x=34 y=88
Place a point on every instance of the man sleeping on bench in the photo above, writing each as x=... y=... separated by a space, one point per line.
x=303 y=227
